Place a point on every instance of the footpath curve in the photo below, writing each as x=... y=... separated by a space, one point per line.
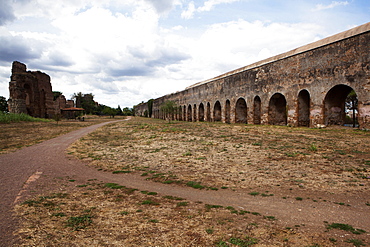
x=32 y=167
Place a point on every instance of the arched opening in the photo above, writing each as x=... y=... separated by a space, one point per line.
x=195 y=113
x=340 y=106
x=303 y=111
x=277 y=110
x=28 y=99
x=241 y=111
x=189 y=114
x=208 y=115
x=42 y=109
x=217 y=112
x=201 y=112
x=180 y=113
x=184 y=113
x=227 y=111
x=257 y=110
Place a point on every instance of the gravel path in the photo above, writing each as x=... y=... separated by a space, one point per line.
x=31 y=168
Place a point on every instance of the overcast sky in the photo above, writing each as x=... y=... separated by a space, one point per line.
x=126 y=52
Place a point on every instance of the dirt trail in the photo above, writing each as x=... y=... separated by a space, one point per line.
x=32 y=168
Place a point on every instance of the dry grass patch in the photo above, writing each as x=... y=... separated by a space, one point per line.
x=101 y=214
x=217 y=155
x=17 y=135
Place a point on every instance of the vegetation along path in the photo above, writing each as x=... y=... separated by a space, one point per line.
x=32 y=170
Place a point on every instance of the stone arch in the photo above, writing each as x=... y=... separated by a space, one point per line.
x=334 y=104
x=195 y=113
x=184 y=113
x=28 y=97
x=277 y=111
x=28 y=94
x=208 y=113
x=42 y=107
x=241 y=111
x=217 y=112
x=227 y=111
x=180 y=113
x=189 y=114
x=304 y=103
x=201 y=112
x=257 y=110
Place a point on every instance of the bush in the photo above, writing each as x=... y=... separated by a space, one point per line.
x=13 y=117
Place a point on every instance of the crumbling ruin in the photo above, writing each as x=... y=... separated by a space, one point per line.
x=31 y=93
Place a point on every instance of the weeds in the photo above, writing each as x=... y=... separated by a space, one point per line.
x=195 y=185
x=247 y=241
x=149 y=202
x=79 y=222
x=345 y=227
x=312 y=148
x=13 y=118
x=356 y=242
x=113 y=186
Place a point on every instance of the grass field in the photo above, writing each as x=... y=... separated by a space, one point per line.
x=20 y=130
x=297 y=165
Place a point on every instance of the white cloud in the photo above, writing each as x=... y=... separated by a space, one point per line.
x=207 y=6
x=189 y=13
x=333 y=4
x=125 y=52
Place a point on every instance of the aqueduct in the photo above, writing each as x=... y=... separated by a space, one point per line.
x=306 y=86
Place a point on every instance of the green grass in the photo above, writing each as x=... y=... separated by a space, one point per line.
x=182 y=204
x=117 y=172
x=113 y=186
x=194 y=185
x=248 y=241
x=174 y=198
x=209 y=206
x=312 y=148
x=356 y=242
x=345 y=227
x=149 y=202
x=79 y=222
x=13 y=118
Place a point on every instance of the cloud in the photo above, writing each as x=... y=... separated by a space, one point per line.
x=162 y=6
x=189 y=13
x=207 y=6
x=333 y=4
x=6 y=12
x=125 y=52
x=132 y=71
x=18 y=48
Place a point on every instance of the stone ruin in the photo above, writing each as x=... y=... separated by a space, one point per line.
x=31 y=93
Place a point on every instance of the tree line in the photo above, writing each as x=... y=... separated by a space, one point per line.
x=86 y=101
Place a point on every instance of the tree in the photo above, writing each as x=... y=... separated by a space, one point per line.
x=56 y=94
x=85 y=101
x=119 y=111
x=3 y=104
x=352 y=105
x=109 y=111
x=127 y=111
x=150 y=107
x=169 y=109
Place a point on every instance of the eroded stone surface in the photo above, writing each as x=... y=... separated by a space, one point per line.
x=31 y=93
x=303 y=87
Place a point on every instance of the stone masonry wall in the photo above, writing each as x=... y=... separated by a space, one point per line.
x=30 y=92
x=303 y=87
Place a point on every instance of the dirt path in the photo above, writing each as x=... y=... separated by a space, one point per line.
x=32 y=168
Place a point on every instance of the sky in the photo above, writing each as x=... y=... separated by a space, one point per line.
x=126 y=52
